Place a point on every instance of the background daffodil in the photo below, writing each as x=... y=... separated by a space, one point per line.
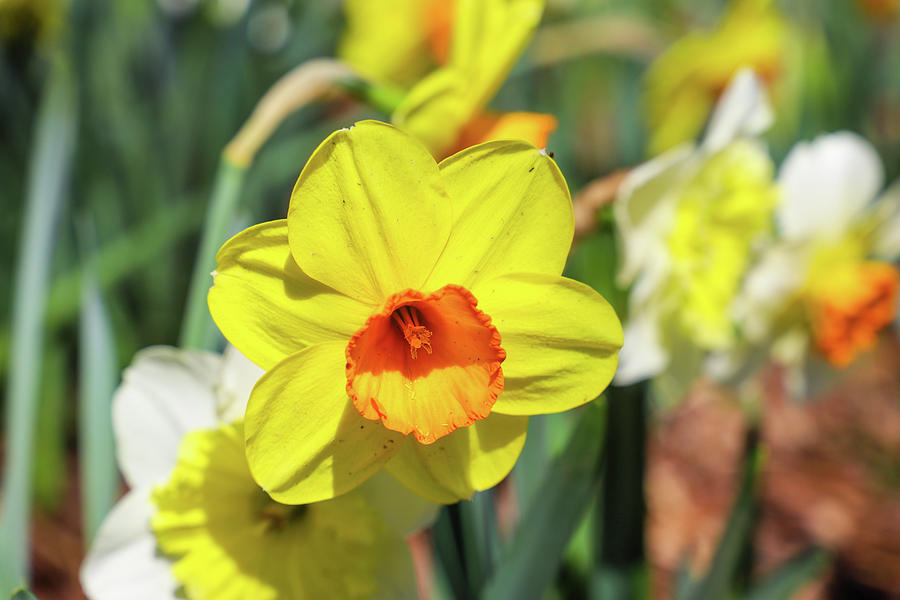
x=402 y=296
x=684 y=83
x=450 y=57
x=196 y=525
x=827 y=285
x=687 y=222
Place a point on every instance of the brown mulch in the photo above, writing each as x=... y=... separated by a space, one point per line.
x=831 y=478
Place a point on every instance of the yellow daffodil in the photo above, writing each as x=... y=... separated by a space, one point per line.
x=194 y=523
x=410 y=315
x=685 y=81
x=825 y=285
x=451 y=57
x=687 y=222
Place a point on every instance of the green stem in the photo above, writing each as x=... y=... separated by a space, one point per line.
x=382 y=98
x=620 y=530
x=45 y=199
x=198 y=330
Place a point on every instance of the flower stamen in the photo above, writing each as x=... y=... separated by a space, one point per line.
x=416 y=334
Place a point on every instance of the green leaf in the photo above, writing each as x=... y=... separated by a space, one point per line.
x=448 y=546
x=790 y=577
x=50 y=449
x=45 y=198
x=720 y=579
x=98 y=373
x=531 y=558
x=198 y=330
x=22 y=594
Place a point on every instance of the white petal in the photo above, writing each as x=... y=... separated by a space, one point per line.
x=826 y=184
x=742 y=111
x=645 y=205
x=771 y=283
x=886 y=238
x=237 y=377
x=642 y=356
x=403 y=511
x=122 y=563
x=165 y=393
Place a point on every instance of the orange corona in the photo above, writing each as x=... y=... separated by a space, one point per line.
x=454 y=383
x=849 y=308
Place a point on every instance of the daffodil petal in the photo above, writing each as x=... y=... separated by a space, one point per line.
x=369 y=215
x=743 y=111
x=436 y=109
x=512 y=210
x=643 y=354
x=644 y=210
x=305 y=440
x=237 y=376
x=561 y=340
x=165 y=393
x=267 y=307
x=826 y=185
x=488 y=37
x=404 y=512
x=123 y=561
x=386 y=42
x=534 y=128
x=468 y=460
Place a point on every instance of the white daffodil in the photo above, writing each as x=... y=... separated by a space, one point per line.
x=194 y=523
x=826 y=285
x=688 y=221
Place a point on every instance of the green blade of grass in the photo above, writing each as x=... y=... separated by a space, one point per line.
x=790 y=577
x=129 y=253
x=97 y=377
x=531 y=558
x=45 y=199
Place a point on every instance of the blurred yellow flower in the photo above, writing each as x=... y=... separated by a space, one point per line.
x=194 y=524
x=688 y=221
x=826 y=285
x=228 y=539
x=684 y=82
x=402 y=296
x=451 y=56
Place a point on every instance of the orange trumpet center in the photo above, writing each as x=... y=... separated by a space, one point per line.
x=850 y=306
x=453 y=383
x=414 y=332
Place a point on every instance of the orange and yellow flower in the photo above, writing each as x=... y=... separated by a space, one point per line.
x=410 y=315
x=451 y=57
x=827 y=285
